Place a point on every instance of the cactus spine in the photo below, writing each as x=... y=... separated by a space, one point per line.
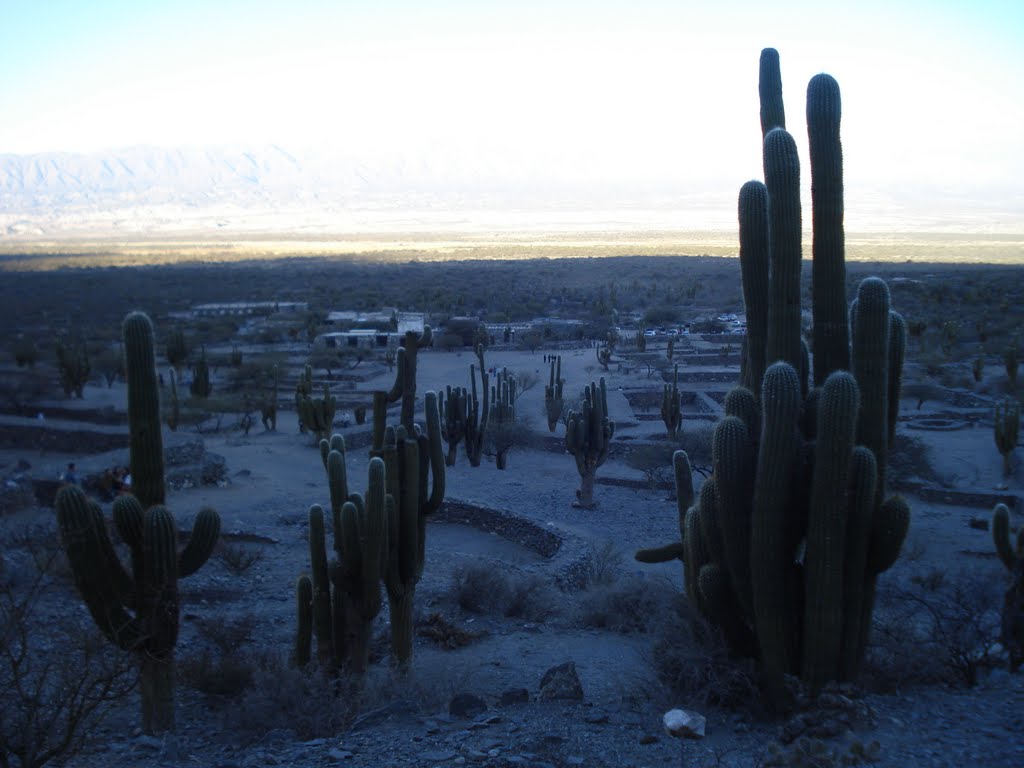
x=1006 y=430
x=784 y=556
x=137 y=611
x=587 y=434
x=671 y=405
x=553 y=400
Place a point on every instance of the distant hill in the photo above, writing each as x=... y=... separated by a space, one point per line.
x=142 y=191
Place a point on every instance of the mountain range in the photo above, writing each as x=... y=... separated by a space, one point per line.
x=142 y=191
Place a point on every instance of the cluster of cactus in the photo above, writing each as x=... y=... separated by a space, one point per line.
x=670 y=350
x=502 y=416
x=200 y=386
x=1011 y=553
x=176 y=350
x=454 y=414
x=317 y=413
x=137 y=610
x=553 y=400
x=640 y=340
x=671 y=405
x=303 y=388
x=587 y=435
x=340 y=601
x=464 y=417
x=268 y=410
x=1006 y=429
x=73 y=366
x=415 y=480
x=604 y=356
x=790 y=533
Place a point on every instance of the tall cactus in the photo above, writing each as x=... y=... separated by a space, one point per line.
x=502 y=417
x=404 y=388
x=671 y=405
x=587 y=434
x=138 y=611
x=793 y=528
x=1006 y=430
x=415 y=472
x=1011 y=553
x=553 y=400
x=477 y=413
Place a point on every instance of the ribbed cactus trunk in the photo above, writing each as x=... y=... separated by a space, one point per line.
x=831 y=329
x=146 y=441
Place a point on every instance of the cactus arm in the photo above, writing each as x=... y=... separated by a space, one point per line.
x=826 y=529
x=734 y=470
x=753 y=222
x=831 y=324
x=897 y=352
x=304 y=634
x=665 y=554
x=100 y=581
x=205 y=533
x=1001 y=536
x=870 y=368
x=769 y=86
x=774 y=531
x=146 y=440
x=322 y=624
x=782 y=178
x=863 y=477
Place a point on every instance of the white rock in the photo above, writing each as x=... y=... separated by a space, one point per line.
x=684 y=725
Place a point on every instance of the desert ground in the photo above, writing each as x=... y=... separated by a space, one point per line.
x=517 y=580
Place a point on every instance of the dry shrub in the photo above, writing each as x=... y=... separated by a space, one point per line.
x=695 y=439
x=444 y=633
x=602 y=567
x=632 y=604
x=479 y=588
x=306 y=701
x=58 y=680
x=216 y=674
x=238 y=559
x=227 y=634
x=692 y=660
x=482 y=588
x=910 y=457
x=933 y=627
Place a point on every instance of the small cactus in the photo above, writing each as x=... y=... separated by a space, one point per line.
x=671 y=405
x=1006 y=429
x=1011 y=553
x=553 y=401
x=587 y=434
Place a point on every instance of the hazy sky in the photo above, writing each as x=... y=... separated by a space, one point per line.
x=933 y=90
